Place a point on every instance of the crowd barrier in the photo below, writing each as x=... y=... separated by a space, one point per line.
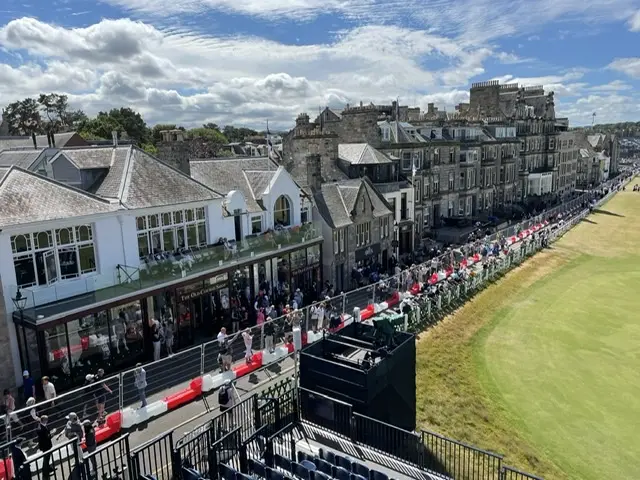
x=198 y=367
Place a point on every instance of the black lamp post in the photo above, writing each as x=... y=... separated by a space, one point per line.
x=396 y=235
x=20 y=302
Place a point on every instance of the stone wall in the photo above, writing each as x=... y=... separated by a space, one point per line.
x=7 y=378
x=360 y=125
x=484 y=98
x=175 y=154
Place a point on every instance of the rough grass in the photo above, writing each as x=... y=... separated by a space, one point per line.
x=541 y=366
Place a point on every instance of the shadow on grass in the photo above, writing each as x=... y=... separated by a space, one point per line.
x=589 y=221
x=607 y=212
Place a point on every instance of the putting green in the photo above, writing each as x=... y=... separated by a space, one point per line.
x=562 y=357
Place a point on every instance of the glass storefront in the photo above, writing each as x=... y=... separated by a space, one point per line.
x=118 y=337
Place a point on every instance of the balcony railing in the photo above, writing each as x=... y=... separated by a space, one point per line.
x=163 y=268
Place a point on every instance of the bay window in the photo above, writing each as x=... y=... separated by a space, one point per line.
x=171 y=231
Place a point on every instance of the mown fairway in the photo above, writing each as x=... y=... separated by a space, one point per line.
x=544 y=366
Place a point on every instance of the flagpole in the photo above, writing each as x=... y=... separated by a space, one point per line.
x=269 y=206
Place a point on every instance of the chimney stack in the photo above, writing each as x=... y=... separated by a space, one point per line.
x=33 y=139
x=114 y=137
x=314 y=171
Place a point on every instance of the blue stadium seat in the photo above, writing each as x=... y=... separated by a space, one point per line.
x=226 y=472
x=376 y=475
x=340 y=473
x=300 y=471
x=190 y=474
x=328 y=456
x=305 y=456
x=343 y=462
x=274 y=474
x=319 y=476
x=282 y=462
x=257 y=468
x=360 y=469
x=324 y=466
x=357 y=477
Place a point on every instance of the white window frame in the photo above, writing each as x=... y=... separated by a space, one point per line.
x=406 y=160
x=173 y=223
x=452 y=181
x=256 y=221
x=66 y=241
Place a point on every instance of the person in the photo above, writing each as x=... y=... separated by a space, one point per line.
x=269 y=332
x=168 y=328
x=10 y=409
x=73 y=429
x=28 y=386
x=100 y=393
x=226 y=402
x=140 y=381
x=156 y=338
x=18 y=456
x=248 y=343
x=90 y=443
x=45 y=444
x=49 y=390
x=226 y=355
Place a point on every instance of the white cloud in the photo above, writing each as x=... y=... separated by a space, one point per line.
x=613 y=86
x=189 y=78
x=629 y=66
x=634 y=22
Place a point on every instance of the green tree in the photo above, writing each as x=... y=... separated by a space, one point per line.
x=132 y=124
x=235 y=134
x=55 y=108
x=211 y=126
x=101 y=127
x=149 y=148
x=206 y=142
x=23 y=117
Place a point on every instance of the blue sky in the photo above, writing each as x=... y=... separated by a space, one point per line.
x=246 y=61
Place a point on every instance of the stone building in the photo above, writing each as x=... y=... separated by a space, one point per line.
x=357 y=224
x=532 y=111
x=569 y=144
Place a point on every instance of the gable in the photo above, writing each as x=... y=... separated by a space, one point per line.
x=65 y=171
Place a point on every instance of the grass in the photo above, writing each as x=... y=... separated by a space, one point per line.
x=544 y=365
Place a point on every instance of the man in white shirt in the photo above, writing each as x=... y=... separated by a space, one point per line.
x=49 y=389
x=222 y=335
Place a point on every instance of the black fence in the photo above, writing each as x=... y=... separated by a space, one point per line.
x=510 y=473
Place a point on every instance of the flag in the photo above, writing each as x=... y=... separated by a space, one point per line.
x=414 y=169
x=269 y=144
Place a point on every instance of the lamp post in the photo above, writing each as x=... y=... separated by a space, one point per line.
x=396 y=241
x=20 y=302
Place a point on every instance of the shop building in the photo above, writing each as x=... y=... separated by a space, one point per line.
x=105 y=239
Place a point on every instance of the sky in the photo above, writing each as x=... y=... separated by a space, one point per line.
x=246 y=62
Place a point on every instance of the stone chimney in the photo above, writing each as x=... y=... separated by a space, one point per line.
x=314 y=171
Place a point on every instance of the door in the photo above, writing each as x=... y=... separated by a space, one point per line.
x=50 y=267
x=237 y=220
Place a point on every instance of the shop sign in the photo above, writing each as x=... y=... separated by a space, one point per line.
x=367 y=252
x=217 y=283
x=306 y=269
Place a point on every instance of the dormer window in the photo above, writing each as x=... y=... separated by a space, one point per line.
x=386 y=134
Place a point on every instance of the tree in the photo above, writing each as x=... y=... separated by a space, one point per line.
x=101 y=127
x=149 y=148
x=23 y=117
x=234 y=134
x=132 y=123
x=56 y=111
x=206 y=142
x=211 y=126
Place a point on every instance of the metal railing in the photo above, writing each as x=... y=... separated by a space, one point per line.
x=178 y=369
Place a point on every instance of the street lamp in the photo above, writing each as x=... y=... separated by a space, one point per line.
x=20 y=302
x=396 y=241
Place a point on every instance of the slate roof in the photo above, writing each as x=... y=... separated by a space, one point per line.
x=399 y=132
x=335 y=201
x=27 y=197
x=251 y=176
x=90 y=158
x=361 y=154
x=20 y=158
x=61 y=140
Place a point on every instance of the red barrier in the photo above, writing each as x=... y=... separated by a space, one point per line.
x=196 y=385
x=105 y=433
x=114 y=420
x=180 y=398
x=6 y=469
x=247 y=368
x=395 y=298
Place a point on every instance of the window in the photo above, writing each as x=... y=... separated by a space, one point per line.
x=427 y=188
x=406 y=160
x=386 y=134
x=471 y=178
x=43 y=258
x=305 y=215
x=170 y=231
x=452 y=155
x=417 y=161
x=436 y=156
x=502 y=174
x=552 y=143
x=436 y=185
x=256 y=225
x=282 y=211
x=450 y=209
x=461 y=207
x=363 y=234
x=418 y=191
x=427 y=218
x=522 y=145
x=336 y=241
x=384 y=227
x=570 y=143
x=462 y=182
x=469 y=204
x=452 y=181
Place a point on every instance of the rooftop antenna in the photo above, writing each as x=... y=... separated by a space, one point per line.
x=593 y=119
